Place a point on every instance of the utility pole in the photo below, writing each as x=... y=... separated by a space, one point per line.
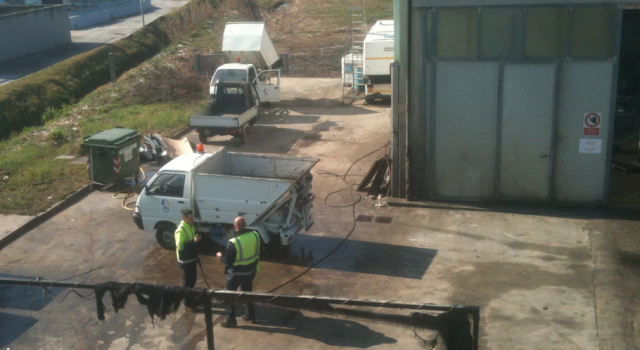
x=112 y=67
x=142 y=13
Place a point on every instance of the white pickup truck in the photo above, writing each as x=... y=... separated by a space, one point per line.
x=236 y=107
x=271 y=192
x=247 y=44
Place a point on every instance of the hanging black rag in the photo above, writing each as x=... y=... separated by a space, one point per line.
x=159 y=300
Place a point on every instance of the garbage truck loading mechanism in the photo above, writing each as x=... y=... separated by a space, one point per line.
x=271 y=192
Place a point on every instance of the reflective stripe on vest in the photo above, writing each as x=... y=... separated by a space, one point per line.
x=247 y=248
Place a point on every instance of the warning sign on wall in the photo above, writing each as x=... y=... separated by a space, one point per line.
x=591 y=125
x=590 y=146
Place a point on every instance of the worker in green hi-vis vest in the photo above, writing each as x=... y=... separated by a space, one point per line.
x=187 y=252
x=242 y=261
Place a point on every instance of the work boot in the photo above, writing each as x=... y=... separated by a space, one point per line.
x=229 y=323
x=251 y=320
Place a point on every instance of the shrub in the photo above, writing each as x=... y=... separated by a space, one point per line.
x=57 y=136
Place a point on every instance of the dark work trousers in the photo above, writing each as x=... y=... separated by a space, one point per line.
x=189 y=278
x=246 y=285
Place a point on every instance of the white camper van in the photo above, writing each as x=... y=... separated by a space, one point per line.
x=378 y=56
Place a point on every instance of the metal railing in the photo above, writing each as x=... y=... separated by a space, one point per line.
x=456 y=313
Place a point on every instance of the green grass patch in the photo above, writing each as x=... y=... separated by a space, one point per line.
x=33 y=183
x=143 y=118
x=35 y=180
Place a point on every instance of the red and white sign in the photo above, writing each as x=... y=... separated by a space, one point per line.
x=591 y=125
x=116 y=165
x=88 y=163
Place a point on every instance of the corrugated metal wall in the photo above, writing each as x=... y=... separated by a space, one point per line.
x=498 y=97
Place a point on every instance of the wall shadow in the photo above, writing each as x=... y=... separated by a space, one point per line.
x=28 y=298
x=261 y=139
x=23 y=298
x=275 y=116
x=13 y=326
x=22 y=66
x=307 y=102
x=357 y=256
x=353 y=256
x=330 y=331
x=271 y=139
x=302 y=106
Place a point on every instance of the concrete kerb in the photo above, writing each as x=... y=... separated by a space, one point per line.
x=181 y=133
x=41 y=218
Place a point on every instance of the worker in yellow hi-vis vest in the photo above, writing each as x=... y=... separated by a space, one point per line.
x=187 y=252
x=242 y=261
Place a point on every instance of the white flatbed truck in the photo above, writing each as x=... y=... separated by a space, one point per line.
x=235 y=108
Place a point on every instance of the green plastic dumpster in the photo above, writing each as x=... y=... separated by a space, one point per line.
x=112 y=155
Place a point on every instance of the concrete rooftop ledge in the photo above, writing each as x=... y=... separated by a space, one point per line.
x=16 y=10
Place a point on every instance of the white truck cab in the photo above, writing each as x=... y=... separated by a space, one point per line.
x=267 y=82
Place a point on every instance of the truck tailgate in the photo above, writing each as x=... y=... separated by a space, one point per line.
x=205 y=118
x=221 y=121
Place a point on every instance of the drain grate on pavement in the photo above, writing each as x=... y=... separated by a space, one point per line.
x=383 y=219
x=364 y=218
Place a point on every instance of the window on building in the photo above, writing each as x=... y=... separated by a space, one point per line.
x=547 y=33
x=593 y=32
x=457 y=33
x=501 y=32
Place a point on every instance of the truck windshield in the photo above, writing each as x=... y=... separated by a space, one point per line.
x=223 y=75
x=167 y=185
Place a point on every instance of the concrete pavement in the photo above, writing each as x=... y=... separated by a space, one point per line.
x=532 y=270
x=84 y=40
x=10 y=223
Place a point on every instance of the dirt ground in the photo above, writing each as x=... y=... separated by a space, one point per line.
x=544 y=278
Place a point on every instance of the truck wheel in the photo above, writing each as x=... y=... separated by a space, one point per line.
x=165 y=236
x=243 y=134
x=202 y=137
